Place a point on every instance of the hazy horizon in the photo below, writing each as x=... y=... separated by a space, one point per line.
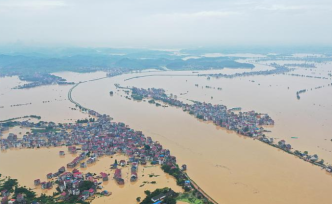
x=166 y=24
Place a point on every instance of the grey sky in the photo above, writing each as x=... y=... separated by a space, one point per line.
x=166 y=23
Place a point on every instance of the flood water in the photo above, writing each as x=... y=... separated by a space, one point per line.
x=51 y=103
x=231 y=168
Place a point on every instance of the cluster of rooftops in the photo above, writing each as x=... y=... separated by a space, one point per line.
x=90 y=141
x=69 y=183
x=245 y=123
x=104 y=137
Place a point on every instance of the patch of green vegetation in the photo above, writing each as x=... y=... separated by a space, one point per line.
x=153 y=175
x=175 y=172
x=33 y=116
x=200 y=117
x=151 y=101
x=30 y=195
x=149 y=195
x=85 y=185
x=9 y=185
x=149 y=166
x=189 y=198
x=44 y=130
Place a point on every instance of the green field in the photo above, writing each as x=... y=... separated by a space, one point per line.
x=189 y=198
x=43 y=130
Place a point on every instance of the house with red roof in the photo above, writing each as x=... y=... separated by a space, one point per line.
x=104 y=176
x=91 y=192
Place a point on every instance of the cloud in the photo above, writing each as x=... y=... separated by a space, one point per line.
x=169 y=23
x=200 y=14
x=211 y=14
x=34 y=4
x=280 y=7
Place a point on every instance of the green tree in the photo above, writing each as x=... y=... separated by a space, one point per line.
x=147 y=147
x=28 y=193
x=169 y=200
x=9 y=185
x=200 y=117
x=147 y=192
x=297 y=152
x=85 y=185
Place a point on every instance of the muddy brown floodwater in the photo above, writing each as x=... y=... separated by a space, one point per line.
x=26 y=165
x=231 y=168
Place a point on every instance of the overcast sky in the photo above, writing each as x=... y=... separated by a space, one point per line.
x=166 y=23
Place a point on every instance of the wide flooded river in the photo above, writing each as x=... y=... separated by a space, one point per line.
x=230 y=168
x=224 y=164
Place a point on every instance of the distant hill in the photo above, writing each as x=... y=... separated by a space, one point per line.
x=207 y=63
x=86 y=60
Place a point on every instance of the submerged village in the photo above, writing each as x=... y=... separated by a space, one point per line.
x=91 y=139
x=245 y=123
x=99 y=136
x=249 y=124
